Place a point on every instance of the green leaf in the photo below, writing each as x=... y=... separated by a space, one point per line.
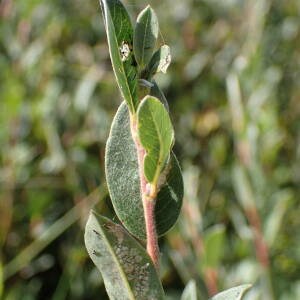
x=190 y=291
x=121 y=168
x=213 y=243
x=156 y=135
x=157 y=92
x=151 y=88
x=160 y=61
x=126 y=268
x=235 y=293
x=120 y=40
x=145 y=36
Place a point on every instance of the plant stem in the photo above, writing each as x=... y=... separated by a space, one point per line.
x=147 y=199
x=152 y=244
x=260 y=244
x=211 y=281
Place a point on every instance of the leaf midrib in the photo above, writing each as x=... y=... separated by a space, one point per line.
x=160 y=152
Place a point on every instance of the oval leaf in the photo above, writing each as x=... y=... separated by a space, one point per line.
x=126 y=268
x=120 y=40
x=235 y=293
x=145 y=36
x=160 y=61
x=156 y=135
x=121 y=168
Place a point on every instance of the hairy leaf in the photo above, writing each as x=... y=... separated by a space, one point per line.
x=156 y=135
x=120 y=40
x=124 y=185
x=126 y=268
x=145 y=36
x=160 y=61
x=235 y=293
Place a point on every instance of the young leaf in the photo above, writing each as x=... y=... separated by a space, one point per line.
x=145 y=36
x=150 y=87
x=155 y=91
x=235 y=293
x=121 y=168
x=156 y=135
x=190 y=291
x=126 y=268
x=160 y=61
x=120 y=40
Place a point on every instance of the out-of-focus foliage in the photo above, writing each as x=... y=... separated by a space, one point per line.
x=234 y=95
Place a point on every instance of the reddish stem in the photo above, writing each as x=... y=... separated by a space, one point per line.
x=152 y=245
x=148 y=202
x=211 y=280
x=261 y=247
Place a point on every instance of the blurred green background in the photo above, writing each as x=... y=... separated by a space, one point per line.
x=234 y=94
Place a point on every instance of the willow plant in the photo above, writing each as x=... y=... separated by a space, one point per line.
x=142 y=172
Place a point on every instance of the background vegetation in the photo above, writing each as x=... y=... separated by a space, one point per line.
x=234 y=95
